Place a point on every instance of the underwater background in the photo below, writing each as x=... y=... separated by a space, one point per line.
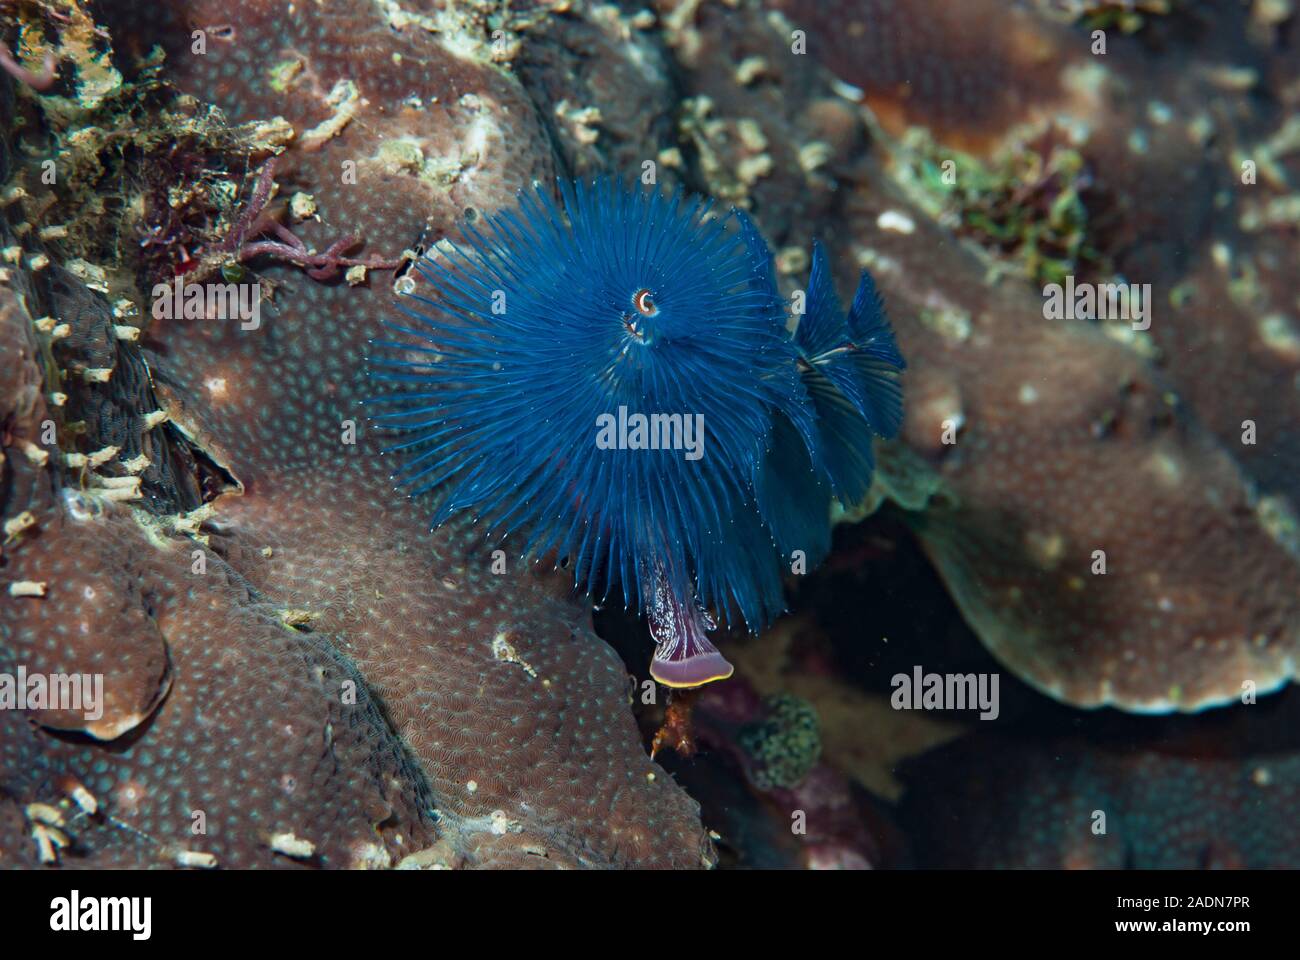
x=1058 y=630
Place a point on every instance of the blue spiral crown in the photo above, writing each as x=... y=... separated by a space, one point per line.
x=515 y=385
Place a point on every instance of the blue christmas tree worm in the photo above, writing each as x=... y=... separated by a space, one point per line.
x=613 y=378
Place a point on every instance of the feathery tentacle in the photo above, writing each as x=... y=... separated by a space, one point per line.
x=611 y=378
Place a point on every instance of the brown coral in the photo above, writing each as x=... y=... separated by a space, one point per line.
x=1040 y=448
x=487 y=716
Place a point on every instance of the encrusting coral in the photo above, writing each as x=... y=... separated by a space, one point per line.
x=491 y=725
x=504 y=736
x=1043 y=452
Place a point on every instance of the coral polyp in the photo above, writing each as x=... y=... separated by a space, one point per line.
x=612 y=379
